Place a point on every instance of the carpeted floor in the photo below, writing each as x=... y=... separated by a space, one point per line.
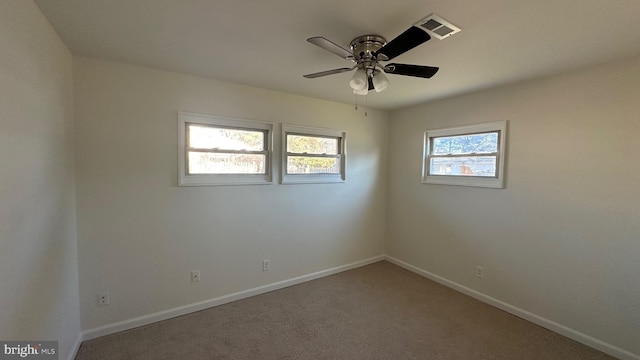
x=379 y=311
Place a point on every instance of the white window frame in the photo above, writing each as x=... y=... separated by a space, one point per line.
x=477 y=181
x=186 y=179
x=286 y=178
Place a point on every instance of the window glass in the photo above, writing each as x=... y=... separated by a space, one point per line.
x=302 y=144
x=464 y=166
x=466 y=144
x=216 y=163
x=312 y=165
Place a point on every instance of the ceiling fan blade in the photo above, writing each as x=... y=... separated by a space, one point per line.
x=328 y=72
x=404 y=42
x=331 y=47
x=411 y=70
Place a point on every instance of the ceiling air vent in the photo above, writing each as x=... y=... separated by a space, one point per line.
x=438 y=27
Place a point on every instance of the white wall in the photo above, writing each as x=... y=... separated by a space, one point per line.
x=140 y=234
x=561 y=241
x=38 y=265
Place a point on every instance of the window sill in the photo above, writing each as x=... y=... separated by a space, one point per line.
x=464 y=181
x=209 y=180
x=311 y=179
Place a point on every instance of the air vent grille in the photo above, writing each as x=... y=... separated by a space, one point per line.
x=438 y=27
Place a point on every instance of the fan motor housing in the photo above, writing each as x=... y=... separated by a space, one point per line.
x=364 y=46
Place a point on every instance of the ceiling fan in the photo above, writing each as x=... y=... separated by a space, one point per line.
x=368 y=51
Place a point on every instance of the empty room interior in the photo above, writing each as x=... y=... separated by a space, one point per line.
x=461 y=181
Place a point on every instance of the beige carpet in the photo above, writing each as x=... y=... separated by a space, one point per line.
x=380 y=311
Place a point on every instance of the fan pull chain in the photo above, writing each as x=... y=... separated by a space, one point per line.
x=366 y=105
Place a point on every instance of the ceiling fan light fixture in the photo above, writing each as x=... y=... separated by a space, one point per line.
x=368 y=51
x=359 y=80
x=380 y=81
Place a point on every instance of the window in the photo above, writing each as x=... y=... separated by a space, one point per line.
x=312 y=155
x=222 y=151
x=470 y=155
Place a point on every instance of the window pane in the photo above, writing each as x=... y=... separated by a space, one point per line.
x=464 y=166
x=312 y=165
x=209 y=137
x=466 y=144
x=216 y=163
x=312 y=144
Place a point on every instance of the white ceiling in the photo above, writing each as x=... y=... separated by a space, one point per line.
x=262 y=42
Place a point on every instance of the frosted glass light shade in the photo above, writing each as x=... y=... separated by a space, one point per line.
x=380 y=81
x=364 y=91
x=359 y=80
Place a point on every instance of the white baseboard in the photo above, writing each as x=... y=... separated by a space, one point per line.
x=546 y=323
x=186 y=309
x=75 y=348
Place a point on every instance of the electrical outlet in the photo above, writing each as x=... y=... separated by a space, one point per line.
x=266 y=265
x=480 y=272
x=103 y=299
x=195 y=276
